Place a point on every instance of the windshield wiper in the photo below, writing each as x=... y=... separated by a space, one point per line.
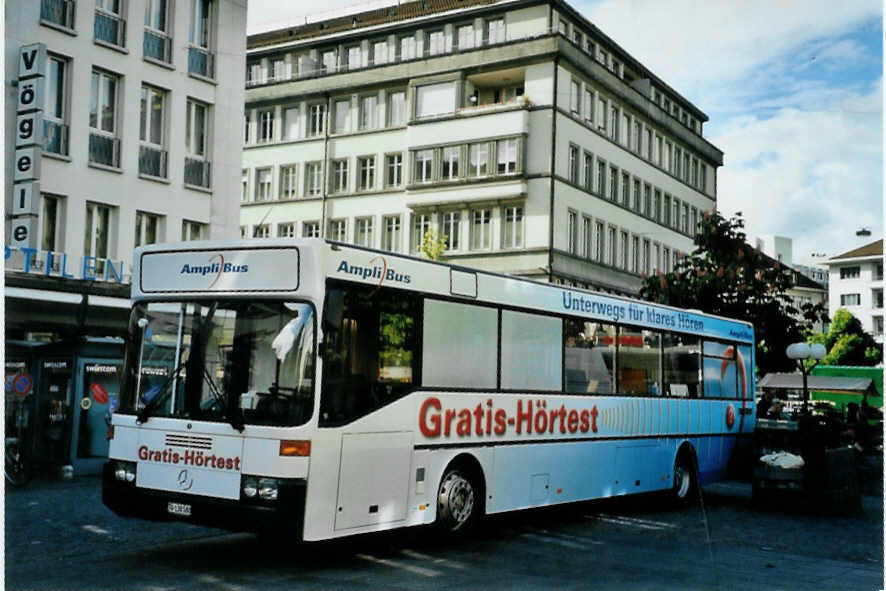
x=229 y=411
x=161 y=396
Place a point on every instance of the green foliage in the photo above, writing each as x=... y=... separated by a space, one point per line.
x=727 y=277
x=847 y=342
x=433 y=247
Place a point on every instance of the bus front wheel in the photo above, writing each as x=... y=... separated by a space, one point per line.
x=459 y=501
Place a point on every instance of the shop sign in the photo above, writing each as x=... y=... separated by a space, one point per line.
x=57 y=264
x=28 y=144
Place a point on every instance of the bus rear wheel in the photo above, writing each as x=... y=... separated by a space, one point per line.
x=459 y=503
x=685 y=482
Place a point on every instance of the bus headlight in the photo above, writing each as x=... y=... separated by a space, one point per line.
x=267 y=489
x=250 y=487
x=125 y=471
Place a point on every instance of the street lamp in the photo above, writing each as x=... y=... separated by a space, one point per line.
x=801 y=352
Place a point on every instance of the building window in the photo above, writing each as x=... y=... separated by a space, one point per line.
x=244 y=231
x=451 y=223
x=574 y=92
x=288 y=181
x=286 y=230
x=391 y=237
x=104 y=143
x=513 y=230
x=367 y=172
x=312 y=178
x=340 y=176
x=449 y=162
x=310 y=230
x=589 y=106
x=878 y=272
x=666 y=260
x=55 y=111
x=850 y=299
x=878 y=326
x=586 y=237
x=613 y=124
x=637 y=197
x=465 y=36
x=850 y=272
x=613 y=183
x=110 y=26
x=394 y=166
x=693 y=222
x=337 y=230
x=363 y=232
x=266 y=125
x=196 y=132
x=589 y=171
x=152 y=125
x=147 y=227
x=435 y=99
x=612 y=246
x=262 y=184
x=573 y=164
x=157 y=44
x=684 y=219
x=329 y=60
x=244 y=185
x=623 y=249
x=878 y=298
x=261 y=231
x=479 y=157
x=354 y=59
x=667 y=210
x=494 y=31
x=50 y=214
x=379 y=53
x=406 y=46
x=635 y=254
x=435 y=42
x=341 y=122
x=507 y=157
x=571 y=231
x=601 y=178
x=424 y=160
x=368 y=112
x=397 y=109
x=421 y=223
x=200 y=60
x=481 y=229
x=625 y=189
x=194 y=231
x=599 y=242
x=282 y=70
x=655 y=211
x=644 y=260
x=316 y=119
x=97 y=233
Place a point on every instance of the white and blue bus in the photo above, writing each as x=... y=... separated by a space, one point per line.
x=326 y=390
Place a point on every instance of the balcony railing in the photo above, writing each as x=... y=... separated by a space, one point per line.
x=201 y=61
x=158 y=46
x=110 y=28
x=104 y=150
x=152 y=161
x=197 y=172
x=58 y=12
x=55 y=137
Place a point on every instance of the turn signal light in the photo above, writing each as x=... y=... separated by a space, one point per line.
x=295 y=448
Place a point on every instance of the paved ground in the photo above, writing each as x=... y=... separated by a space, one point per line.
x=59 y=536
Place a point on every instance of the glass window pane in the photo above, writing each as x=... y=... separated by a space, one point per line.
x=638 y=361
x=531 y=354
x=681 y=360
x=460 y=345
x=589 y=356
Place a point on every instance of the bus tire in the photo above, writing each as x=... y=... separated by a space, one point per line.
x=685 y=482
x=459 y=501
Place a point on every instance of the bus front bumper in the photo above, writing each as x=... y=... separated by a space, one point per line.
x=284 y=515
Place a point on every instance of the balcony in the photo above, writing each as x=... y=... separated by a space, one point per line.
x=104 y=150
x=197 y=172
x=201 y=62
x=110 y=28
x=157 y=45
x=58 y=12
x=55 y=137
x=152 y=161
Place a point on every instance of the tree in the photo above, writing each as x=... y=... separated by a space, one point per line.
x=847 y=342
x=432 y=246
x=725 y=276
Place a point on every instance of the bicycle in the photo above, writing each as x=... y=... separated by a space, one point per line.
x=18 y=467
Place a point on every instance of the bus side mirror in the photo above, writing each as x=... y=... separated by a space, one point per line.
x=333 y=309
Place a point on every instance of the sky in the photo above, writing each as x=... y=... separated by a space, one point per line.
x=793 y=90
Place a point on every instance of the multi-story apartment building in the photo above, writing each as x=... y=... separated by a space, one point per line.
x=515 y=128
x=127 y=126
x=856 y=283
x=123 y=122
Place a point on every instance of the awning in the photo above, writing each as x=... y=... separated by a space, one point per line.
x=794 y=381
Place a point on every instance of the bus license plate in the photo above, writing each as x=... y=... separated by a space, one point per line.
x=181 y=509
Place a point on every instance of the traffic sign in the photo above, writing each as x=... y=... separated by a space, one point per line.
x=22 y=384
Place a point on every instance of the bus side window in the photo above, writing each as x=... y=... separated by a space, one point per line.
x=682 y=365
x=589 y=349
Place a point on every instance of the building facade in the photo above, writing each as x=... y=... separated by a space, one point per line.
x=516 y=129
x=124 y=129
x=856 y=283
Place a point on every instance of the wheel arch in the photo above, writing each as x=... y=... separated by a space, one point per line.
x=470 y=464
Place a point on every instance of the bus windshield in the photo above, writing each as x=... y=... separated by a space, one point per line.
x=242 y=362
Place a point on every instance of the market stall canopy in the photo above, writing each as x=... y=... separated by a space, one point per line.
x=794 y=381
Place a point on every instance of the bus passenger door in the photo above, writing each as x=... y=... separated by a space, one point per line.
x=373 y=483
